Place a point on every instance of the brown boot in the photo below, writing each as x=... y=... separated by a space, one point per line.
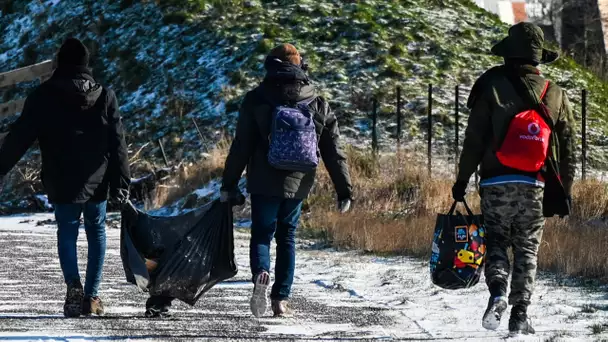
x=92 y=306
x=281 y=308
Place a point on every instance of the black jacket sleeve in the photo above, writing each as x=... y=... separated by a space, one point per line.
x=21 y=136
x=333 y=156
x=567 y=149
x=243 y=146
x=119 y=159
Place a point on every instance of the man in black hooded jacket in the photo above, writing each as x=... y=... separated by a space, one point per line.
x=84 y=156
x=277 y=194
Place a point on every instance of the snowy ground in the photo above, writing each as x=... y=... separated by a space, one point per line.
x=341 y=296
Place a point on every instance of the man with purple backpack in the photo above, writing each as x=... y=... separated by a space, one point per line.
x=283 y=128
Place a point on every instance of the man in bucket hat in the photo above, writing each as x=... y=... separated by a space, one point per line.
x=511 y=191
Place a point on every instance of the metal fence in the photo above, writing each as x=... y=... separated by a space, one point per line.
x=457 y=113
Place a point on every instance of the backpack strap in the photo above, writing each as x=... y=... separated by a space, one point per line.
x=542 y=95
x=524 y=89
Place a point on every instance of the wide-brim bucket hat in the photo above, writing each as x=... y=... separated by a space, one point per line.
x=525 y=41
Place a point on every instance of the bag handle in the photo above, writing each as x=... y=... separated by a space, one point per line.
x=466 y=206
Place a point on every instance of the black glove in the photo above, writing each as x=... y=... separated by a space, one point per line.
x=459 y=190
x=234 y=197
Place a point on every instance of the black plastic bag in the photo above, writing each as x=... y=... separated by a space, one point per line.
x=459 y=250
x=179 y=256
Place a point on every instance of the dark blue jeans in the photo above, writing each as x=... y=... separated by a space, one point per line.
x=68 y=220
x=278 y=218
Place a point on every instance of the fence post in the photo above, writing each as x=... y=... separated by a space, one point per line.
x=456 y=129
x=584 y=134
x=398 y=117
x=162 y=150
x=374 y=128
x=200 y=134
x=430 y=129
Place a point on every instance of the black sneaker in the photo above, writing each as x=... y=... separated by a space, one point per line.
x=93 y=306
x=496 y=308
x=158 y=307
x=73 y=300
x=158 y=312
x=520 y=323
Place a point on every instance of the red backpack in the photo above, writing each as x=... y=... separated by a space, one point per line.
x=526 y=143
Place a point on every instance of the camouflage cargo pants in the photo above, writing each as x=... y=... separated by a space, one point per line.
x=513 y=215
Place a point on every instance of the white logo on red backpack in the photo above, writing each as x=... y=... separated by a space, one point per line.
x=534 y=128
x=526 y=143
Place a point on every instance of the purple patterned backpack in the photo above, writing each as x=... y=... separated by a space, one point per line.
x=293 y=138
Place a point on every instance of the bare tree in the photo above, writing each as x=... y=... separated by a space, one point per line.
x=578 y=27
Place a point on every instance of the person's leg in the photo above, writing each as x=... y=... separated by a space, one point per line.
x=68 y=223
x=95 y=226
x=498 y=211
x=289 y=217
x=264 y=211
x=498 y=208
x=527 y=235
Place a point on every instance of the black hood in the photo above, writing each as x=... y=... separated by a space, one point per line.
x=286 y=82
x=75 y=86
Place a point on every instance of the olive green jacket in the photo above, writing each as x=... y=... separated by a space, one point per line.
x=494 y=101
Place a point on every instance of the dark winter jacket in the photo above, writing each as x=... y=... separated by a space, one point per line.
x=494 y=101
x=285 y=83
x=78 y=126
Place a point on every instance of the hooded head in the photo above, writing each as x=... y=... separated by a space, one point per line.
x=525 y=43
x=286 y=78
x=73 y=53
x=287 y=53
x=284 y=64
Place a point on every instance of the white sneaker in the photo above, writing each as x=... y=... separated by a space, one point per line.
x=259 y=299
x=494 y=312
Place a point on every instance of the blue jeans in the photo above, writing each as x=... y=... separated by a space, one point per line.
x=68 y=221
x=278 y=218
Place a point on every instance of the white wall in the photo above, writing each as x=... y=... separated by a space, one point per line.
x=502 y=8
x=505 y=11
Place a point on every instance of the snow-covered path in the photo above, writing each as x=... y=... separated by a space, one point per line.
x=341 y=296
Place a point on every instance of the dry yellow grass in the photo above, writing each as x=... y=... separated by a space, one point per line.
x=397 y=204
x=194 y=176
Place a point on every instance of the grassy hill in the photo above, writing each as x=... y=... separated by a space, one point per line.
x=185 y=59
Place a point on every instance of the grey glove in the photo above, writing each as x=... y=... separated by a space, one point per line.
x=344 y=205
x=122 y=196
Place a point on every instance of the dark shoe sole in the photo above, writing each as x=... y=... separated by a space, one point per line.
x=528 y=331
x=71 y=310
x=520 y=333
